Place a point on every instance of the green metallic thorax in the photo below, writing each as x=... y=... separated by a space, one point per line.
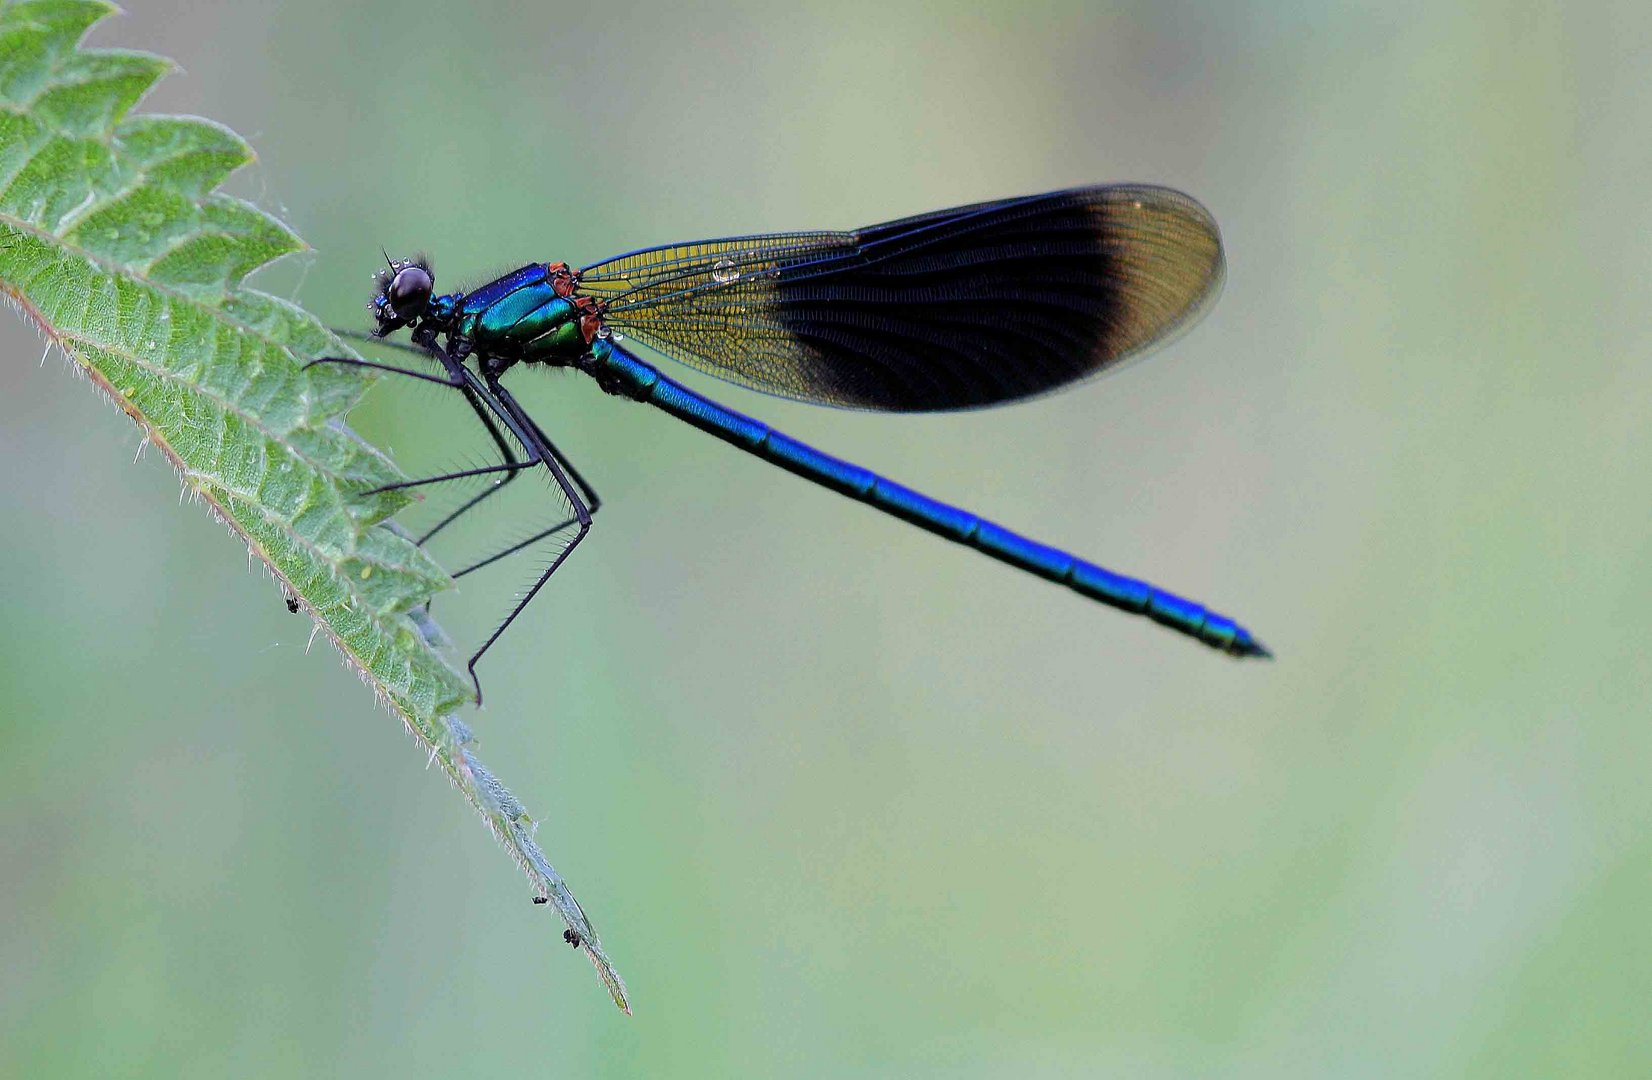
x=520 y=317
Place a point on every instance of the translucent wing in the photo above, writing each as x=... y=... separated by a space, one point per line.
x=948 y=310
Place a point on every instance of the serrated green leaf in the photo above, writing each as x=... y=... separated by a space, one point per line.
x=115 y=243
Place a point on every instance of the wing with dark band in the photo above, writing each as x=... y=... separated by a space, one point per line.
x=947 y=310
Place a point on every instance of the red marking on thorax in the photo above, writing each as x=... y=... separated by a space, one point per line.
x=590 y=317
x=563 y=282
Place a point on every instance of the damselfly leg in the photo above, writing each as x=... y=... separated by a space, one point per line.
x=592 y=501
x=493 y=406
x=526 y=430
x=591 y=498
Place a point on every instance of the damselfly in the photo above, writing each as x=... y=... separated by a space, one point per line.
x=953 y=309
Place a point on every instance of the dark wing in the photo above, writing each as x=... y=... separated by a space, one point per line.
x=948 y=310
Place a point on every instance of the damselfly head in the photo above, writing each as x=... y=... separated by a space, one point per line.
x=401 y=292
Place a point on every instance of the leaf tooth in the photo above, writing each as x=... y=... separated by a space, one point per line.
x=92 y=92
x=186 y=154
x=234 y=239
x=40 y=35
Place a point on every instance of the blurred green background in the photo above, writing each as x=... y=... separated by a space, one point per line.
x=845 y=800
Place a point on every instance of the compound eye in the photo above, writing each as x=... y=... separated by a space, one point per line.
x=409 y=291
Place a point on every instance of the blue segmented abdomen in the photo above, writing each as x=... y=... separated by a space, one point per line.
x=626 y=374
